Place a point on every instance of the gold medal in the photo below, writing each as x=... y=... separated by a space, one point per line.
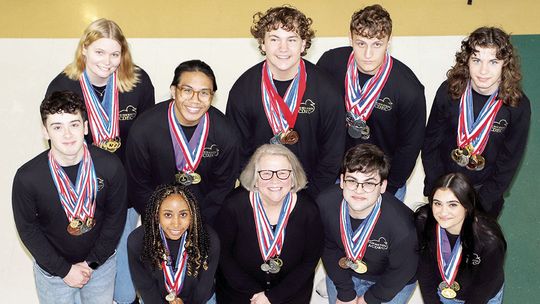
x=183 y=178
x=290 y=137
x=343 y=263
x=170 y=297
x=278 y=261
x=90 y=223
x=196 y=178
x=76 y=223
x=111 y=144
x=74 y=227
x=448 y=293
x=361 y=267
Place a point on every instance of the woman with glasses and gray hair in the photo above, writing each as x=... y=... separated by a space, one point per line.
x=270 y=232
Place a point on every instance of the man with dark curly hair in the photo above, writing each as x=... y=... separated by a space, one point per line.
x=288 y=100
x=480 y=118
x=384 y=100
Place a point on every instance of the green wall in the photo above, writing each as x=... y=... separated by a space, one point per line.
x=521 y=217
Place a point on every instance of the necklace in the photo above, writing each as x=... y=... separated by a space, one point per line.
x=100 y=93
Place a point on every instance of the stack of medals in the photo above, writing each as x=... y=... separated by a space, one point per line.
x=188 y=155
x=448 y=261
x=103 y=117
x=174 y=275
x=360 y=101
x=270 y=241
x=282 y=112
x=78 y=201
x=473 y=134
x=355 y=243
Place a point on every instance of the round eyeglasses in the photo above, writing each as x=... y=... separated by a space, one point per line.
x=352 y=185
x=203 y=95
x=282 y=174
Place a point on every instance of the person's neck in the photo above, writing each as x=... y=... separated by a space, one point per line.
x=280 y=75
x=67 y=160
x=487 y=92
x=360 y=215
x=97 y=81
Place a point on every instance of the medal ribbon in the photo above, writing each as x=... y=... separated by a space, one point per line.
x=103 y=117
x=270 y=242
x=282 y=112
x=355 y=244
x=360 y=101
x=188 y=155
x=77 y=200
x=476 y=132
x=448 y=260
x=174 y=275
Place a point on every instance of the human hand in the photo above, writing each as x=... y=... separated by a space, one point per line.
x=259 y=298
x=360 y=300
x=78 y=275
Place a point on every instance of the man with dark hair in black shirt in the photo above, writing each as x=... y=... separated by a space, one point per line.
x=184 y=140
x=370 y=239
x=384 y=100
x=286 y=99
x=69 y=204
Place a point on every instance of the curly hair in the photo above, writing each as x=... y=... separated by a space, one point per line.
x=197 y=243
x=286 y=17
x=372 y=22
x=128 y=75
x=488 y=37
x=62 y=102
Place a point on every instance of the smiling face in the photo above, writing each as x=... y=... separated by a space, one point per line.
x=189 y=110
x=66 y=132
x=174 y=216
x=369 y=52
x=359 y=201
x=102 y=58
x=448 y=211
x=485 y=70
x=283 y=52
x=274 y=190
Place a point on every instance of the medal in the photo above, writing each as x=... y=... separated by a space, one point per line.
x=74 y=227
x=359 y=100
x=188 y=155
x=110 y=144
x=174 y=274
x=103 y=117
x=361 y=267
x=343 y=263
x=281 y=113
x=170 y=297
x=90 y=222
x=270 y=241
x=448 y=293
x=290 y=137
x=474 y=133
x=448 y=260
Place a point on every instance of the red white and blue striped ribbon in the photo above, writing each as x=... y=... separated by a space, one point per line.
x=448 y=268
x=174 y=274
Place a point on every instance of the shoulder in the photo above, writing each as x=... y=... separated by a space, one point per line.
x=250 y=75
x=135 y=239
x=61 y=82
x=524 y=105
x=329 y=199
x=105 y=161
x=237 y=199
x=396 y=212
x=34 y=167
x=144 y=79
x=307 y=203
x=156 y=114
x=224 y=124
x=406 y=75
x=336 y=55
x=319 y=80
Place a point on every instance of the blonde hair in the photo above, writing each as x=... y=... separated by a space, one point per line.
x=127 y=72
x=248 y=177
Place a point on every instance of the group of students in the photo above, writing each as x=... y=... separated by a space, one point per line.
x=115 y=154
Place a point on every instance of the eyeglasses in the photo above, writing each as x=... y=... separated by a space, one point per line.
x=282 y=174
x=352 y=185
x=203 y=95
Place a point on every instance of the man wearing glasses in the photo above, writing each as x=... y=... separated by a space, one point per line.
x=184 y=140
x=370 y=239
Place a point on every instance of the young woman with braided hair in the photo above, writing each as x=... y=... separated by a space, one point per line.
x=173 y=256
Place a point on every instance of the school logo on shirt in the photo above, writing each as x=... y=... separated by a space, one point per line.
x=212 y=151
x=128 y=113
x=384 y=104
x=499 y=126
x=100 y=184
x=378 y=244
x=307 y=107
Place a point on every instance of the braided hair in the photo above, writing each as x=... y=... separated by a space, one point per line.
x=197 y=243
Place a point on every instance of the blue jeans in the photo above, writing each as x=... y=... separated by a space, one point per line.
x=124 y=291
x=361 y=286
x=99 y=289
x=400 y=193
x=497 y=299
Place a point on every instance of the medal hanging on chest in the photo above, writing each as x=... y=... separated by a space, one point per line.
x=473 y=135
x=103 y=118
x=360 y=101
x=188 y=155
x=78 y=201
x=270 y=241
x=355 y=243
x=282 y=112
x=448 y=260
x=174 y=274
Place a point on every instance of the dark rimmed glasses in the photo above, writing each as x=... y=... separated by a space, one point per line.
x=352 y=185
x=282 y=174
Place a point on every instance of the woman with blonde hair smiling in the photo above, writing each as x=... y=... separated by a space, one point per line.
x=115 y=92
x=270 y=232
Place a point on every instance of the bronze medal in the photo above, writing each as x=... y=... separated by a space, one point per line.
x=170 y=297
x=361 y=267
x=195 y=178
x=74 y=227
x=111 y=144
x=476 y=163
x=184 y=178
x=343 y=263
x=290 y=137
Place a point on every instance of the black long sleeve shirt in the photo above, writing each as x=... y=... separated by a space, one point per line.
x=150 y=160
x=42 y=223
x=240 y=275
x=391 y=255
x=150 y=283
x=503 y=152
x=398 y=120
x=320 y=124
